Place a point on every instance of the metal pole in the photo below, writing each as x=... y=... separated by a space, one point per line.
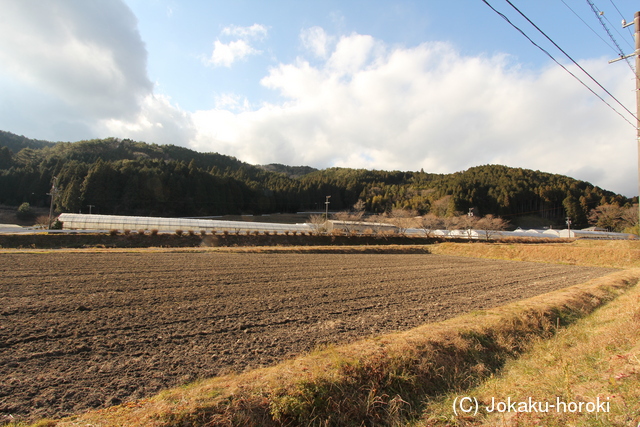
x=326 y=212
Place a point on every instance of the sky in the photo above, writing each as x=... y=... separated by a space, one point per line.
x=394 y=85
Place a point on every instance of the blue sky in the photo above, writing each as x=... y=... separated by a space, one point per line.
x=438 y=85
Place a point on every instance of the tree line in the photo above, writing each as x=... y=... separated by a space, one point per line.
x=121 y=176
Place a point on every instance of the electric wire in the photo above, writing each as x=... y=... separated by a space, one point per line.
x=557 y=62
x=600 y=15
x=589 y=26
x=615 y=27
x=621 y=16
x=572 y=60
x=620 y=52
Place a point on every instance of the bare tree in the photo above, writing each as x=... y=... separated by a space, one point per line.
x=359 y=206
x=491 y=225
x=429 y=223
x=461 y=222
x=614 y=217
x=318 y=223
x=349 y=220
x=630 y=216
x=42 y=222
x=403 y=219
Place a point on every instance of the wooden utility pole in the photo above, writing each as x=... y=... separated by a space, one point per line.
x=636 y=32
x=53 y=193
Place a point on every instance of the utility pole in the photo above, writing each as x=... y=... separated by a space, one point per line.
x=636 y=32
x=326 y=212
x=53 y=193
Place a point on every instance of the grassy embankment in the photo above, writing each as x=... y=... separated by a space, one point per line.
x=596 y=360
x=605 y=253
x=414 y=376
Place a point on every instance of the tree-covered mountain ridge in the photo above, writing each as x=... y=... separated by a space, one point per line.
x=121 y=176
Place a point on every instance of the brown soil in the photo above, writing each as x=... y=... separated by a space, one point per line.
x=88 y=330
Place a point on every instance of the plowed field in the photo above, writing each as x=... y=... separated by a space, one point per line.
x=87 y=330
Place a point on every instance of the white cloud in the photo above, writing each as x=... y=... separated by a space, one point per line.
x=158 y=121
x=85 y=54
x=429 y=107
x=225 y=54
x=256 y=31
x=316 y=40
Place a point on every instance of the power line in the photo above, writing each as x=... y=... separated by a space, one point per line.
x=599 y=15
x=615 y=28
x=563 y=67
x=575 y=63
x=585 y=23
x=621 y=16
x=571 y=59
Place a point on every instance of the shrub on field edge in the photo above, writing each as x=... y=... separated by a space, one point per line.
x=25 y=211
x=42 y=222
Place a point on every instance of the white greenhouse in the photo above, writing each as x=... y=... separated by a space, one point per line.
x=71 y=221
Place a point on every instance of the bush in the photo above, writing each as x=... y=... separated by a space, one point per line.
x=154 y=232
x=42 y=222
x=179 y=232
x=25 y=212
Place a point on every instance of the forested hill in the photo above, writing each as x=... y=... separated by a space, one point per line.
x=127 y=177
x=16 y=143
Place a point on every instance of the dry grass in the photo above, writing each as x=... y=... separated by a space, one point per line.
x=380 y=381
x=612 y=253
x=597 y=358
